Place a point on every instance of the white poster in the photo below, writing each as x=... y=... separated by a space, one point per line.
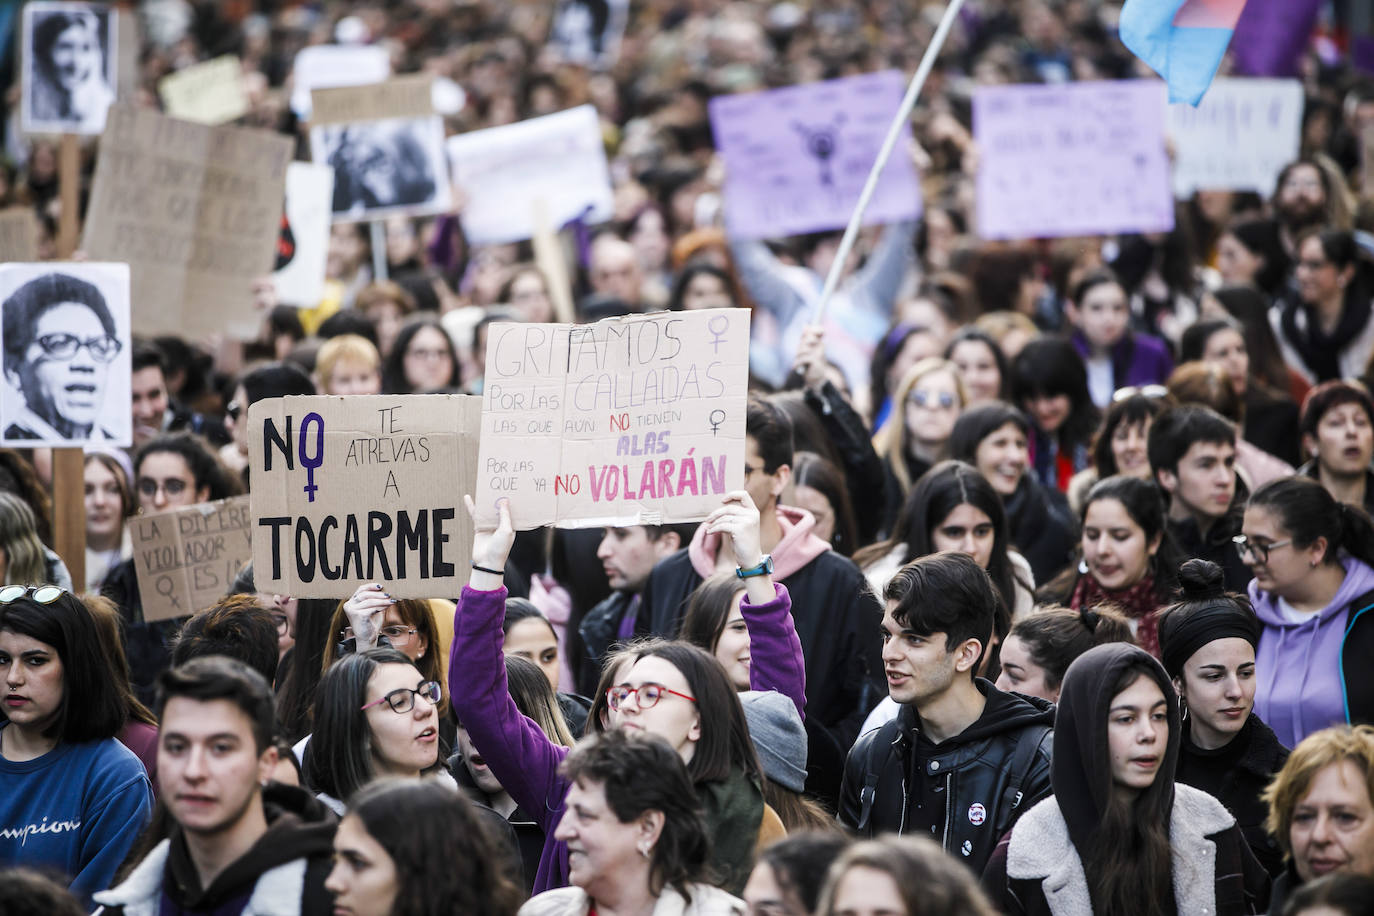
x=65 y=336
x=304 y=242
x=332 y=66
x=69 y=67
x=1239 y=138
x=559 y=158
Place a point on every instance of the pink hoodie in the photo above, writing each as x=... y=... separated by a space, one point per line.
x=797 y=547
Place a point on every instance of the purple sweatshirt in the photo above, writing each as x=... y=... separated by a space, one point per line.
x=518 y=752
x=1300 y=688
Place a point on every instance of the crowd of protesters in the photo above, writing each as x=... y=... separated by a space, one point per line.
x=1049 y=590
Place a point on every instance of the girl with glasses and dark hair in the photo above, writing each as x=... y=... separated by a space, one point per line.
x=409 y=848
x=375 y=714
x=671 y=689
x=1313 y=562
x=1119 y=835
x=74 y=797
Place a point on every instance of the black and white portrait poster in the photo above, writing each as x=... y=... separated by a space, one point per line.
x=69 y=67
x=65 y=338
x=385 y=167
x=588 y=32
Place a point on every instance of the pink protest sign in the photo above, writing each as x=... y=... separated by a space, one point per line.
x=1078 y=159
x=797 y=158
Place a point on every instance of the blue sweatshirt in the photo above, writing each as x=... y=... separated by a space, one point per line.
x=77 y=810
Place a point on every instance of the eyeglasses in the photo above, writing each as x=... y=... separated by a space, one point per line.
x=172 y=486
x=425 y=353
x=1256 y=549
x=64 y=346
x=1153 y=392
x=283 y=623
x=396 y=635
x=646 y=695
x=42 y=594
x=942 y=399
x=403 y=699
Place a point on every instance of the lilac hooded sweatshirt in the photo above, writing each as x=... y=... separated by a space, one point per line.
x=1301 y=685
x=518 y=752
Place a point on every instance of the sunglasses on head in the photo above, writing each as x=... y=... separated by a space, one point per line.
x=42 y=594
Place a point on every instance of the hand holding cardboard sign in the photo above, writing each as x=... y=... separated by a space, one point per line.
x=490 y=548
x=364 y=611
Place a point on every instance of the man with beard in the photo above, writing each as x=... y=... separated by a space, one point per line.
x=1302 y=200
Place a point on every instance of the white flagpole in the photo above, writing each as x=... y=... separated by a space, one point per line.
x=894 y=133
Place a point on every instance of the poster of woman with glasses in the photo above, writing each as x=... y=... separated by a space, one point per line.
x=64 y=334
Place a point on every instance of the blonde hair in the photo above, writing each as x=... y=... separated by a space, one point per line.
x=346 y=348
x=1313 y=754
x=27 y=561
x=890 y=441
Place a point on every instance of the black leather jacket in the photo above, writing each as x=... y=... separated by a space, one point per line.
x=989 y=774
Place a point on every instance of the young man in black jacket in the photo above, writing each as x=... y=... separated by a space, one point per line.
x=963 y=760
x=237 y=842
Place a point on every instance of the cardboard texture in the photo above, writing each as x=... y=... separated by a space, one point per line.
x=195 y=211
x=207 y=93
x=558 y=160
x=796 y=159
x=362 y=489
x=1239 y=138
x=1075 y=159
x=18 y=234
x=187 y=559
x=629 y=421
x=401 y=97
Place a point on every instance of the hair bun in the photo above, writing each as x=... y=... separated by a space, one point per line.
x=1200 y=580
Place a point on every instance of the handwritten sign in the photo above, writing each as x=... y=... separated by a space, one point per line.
x=195 y=211
x=207 y=93
x=797 y=158
x=1239 y=138
x=1073 y=159
x=18 y=234
x=303 y=246
x=629 y=421
x=187 y=559
x=362 y=489
x=559 y=159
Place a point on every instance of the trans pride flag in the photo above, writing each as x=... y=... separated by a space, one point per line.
x=1182 y=40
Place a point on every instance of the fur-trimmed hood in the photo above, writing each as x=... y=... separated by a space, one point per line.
x=1040 y=850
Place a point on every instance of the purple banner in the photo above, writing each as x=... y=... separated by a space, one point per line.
x=797 y=158
x=1272 y=35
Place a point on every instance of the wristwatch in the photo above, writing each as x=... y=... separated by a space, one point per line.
x=765 y=568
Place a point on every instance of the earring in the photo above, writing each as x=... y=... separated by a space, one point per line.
x=644 y=850
x=1082 y=567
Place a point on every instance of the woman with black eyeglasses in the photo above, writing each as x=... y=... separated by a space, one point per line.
x=72 y=797
x=376 y=714
x=60 y=340
x=1313 y=562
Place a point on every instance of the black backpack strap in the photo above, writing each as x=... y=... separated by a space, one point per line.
x=879 y=753
x=1022 y=759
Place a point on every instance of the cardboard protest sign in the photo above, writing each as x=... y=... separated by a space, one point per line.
x=67 y=346
x=386 y=147
x=1239 y=138
x=332 y=66
x=559 y=159
x=630 y=421
x=588 y=32
x=187 y=559
x=207 y=93
x=18 y=234
x=1072 y=159
x=69 y=67
x=303 y=244
x=194 y=211
x=350 y=490
x=796 y=159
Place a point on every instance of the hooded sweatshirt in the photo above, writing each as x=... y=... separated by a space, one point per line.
x=282 y=873
x=1304 y=684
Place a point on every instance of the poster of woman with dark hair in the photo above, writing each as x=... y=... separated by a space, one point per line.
x=69 y=67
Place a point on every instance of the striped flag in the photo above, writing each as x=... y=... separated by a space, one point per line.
x=1182 y=40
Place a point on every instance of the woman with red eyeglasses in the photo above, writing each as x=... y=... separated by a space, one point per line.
x=674 y=690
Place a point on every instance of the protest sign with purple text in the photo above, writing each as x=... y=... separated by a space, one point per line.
x=629 y=421
x=1075 y=159
x=797 y=158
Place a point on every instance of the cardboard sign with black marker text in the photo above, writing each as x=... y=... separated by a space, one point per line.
x=357 y=489
x=186 y=559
